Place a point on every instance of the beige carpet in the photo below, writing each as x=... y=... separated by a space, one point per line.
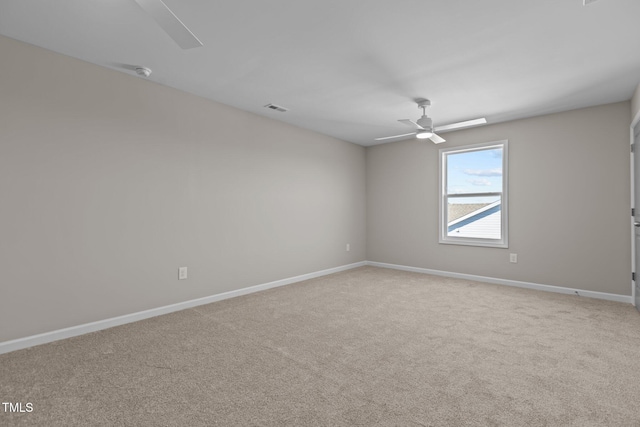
x=365 y=347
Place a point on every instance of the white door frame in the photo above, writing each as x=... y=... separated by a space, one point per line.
x=634 y=122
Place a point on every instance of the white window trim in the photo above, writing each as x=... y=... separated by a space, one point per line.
x=442 y=225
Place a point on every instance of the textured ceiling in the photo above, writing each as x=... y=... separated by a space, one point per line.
x=351 y=68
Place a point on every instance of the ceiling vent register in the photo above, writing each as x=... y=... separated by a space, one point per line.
x=276 y=108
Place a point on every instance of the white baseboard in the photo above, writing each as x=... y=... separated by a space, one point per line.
x=527 y=285
x=20 y=343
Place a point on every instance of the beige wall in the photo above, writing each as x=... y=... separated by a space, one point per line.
x=109 y=183
x=568 y=199
x=635 y=103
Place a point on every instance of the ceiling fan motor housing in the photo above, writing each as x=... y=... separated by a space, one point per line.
x=426 y=122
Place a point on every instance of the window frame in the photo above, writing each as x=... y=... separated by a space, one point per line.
x=503 y=242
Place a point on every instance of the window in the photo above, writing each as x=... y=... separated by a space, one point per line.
x=473 y=195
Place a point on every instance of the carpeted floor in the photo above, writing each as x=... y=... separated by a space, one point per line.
x=364 y=347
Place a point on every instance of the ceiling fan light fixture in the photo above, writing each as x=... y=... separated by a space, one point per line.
x=424 y=125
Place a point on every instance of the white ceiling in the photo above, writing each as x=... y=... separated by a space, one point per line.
x=351 y=68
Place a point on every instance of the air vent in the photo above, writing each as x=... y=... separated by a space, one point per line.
x=276 y=108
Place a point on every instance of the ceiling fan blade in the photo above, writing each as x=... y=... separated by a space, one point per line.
x=170 y=23
x=460 y=125
x=395 y=136
x=437 y=139
x=411 y=123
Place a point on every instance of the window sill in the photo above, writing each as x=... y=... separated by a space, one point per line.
x=475 y=242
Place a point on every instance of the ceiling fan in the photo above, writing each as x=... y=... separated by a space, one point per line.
x=170 y=23
x=424 y=125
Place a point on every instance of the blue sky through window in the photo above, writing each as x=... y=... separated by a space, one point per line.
x=478 y=171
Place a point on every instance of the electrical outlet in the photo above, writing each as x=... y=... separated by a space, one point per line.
x=513 y=258
x=348 y=247
x=182 y=273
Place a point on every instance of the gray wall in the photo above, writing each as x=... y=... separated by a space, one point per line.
x=569 y=218
x=109 y=183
